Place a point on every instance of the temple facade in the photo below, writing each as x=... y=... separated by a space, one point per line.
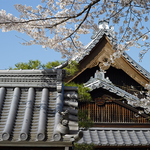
x=119 y=108
x=37 y=110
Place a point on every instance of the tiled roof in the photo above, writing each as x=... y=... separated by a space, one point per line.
x=99 y=81
x=95 y=83
x=110 y=35
x=116 y=136
x=29 y=101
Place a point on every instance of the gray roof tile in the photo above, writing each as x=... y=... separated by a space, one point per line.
x=95 y=137
x=102 y=137
x=28 y=114
x=116 y=136
x=125 y=137
x=147 y=136
x=134 y=138
x=95 y=83
x=141 y=138
x=110 y=137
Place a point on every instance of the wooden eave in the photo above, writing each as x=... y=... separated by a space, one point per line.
x=122 y=63
x=102 y=51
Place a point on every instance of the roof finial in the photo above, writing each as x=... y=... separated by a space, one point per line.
x=103 y=24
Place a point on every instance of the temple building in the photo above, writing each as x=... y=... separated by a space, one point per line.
x=38 y=112
x=119 y=108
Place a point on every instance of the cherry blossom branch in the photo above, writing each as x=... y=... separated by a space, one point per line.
x=66 y=20
x=67 y=17
x=78 y=26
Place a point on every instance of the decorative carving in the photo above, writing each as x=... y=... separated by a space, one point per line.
x=65 y=117
x=99 y=101
x=102 y=66
x=103 y=99
x=99 y=75
x=63 y=127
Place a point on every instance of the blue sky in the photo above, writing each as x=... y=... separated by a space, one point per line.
x=12 y=52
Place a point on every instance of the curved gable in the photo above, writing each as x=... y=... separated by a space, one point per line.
x=101 y=53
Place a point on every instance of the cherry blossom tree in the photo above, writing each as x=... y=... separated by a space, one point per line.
x=59 y=24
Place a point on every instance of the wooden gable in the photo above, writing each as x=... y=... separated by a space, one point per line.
x=101 y=53
x=107 y=111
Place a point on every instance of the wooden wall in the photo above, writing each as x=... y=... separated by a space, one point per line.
x=111 y=112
